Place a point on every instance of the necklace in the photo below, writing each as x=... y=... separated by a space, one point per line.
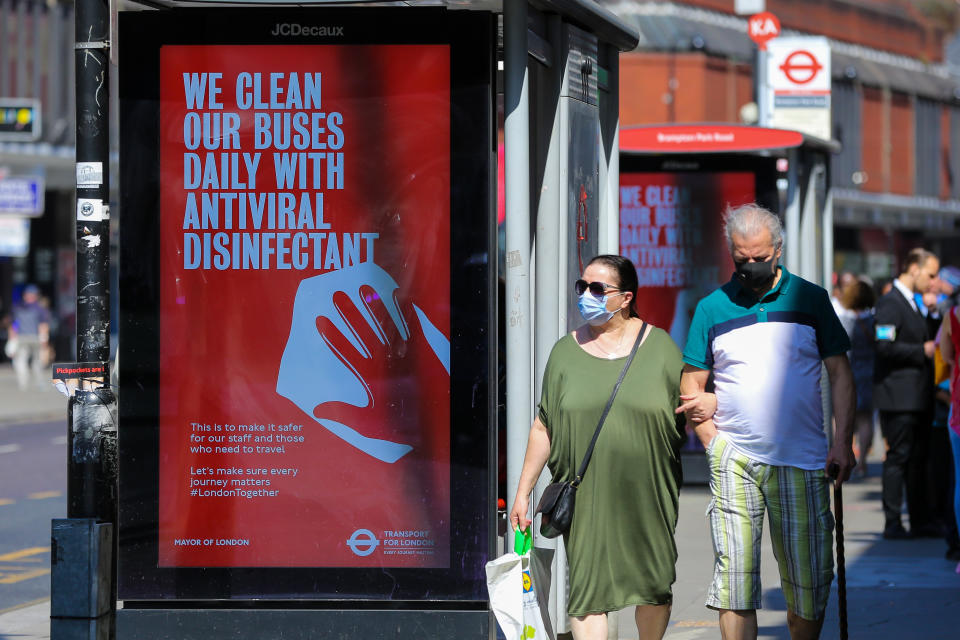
x=611 y=355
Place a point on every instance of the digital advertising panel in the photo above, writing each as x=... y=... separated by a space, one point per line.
x=305 y=290
x=671 y=228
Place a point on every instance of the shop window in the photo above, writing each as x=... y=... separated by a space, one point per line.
x=954 y=169
x=927 y=146
x=845 y=111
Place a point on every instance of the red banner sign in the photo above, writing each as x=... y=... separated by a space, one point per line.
x=705 y=138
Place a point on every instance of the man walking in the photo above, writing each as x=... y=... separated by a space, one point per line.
x=764 y=335
x=903 y=392
x=31 y=331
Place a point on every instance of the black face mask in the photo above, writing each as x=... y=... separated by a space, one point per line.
x=756 y=275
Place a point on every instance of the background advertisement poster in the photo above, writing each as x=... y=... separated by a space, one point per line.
x=304 y=305
x=671 y=227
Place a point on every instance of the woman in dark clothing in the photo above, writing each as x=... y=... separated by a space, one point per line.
x=857 y=318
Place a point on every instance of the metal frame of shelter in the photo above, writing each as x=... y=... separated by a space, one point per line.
x=570 y=49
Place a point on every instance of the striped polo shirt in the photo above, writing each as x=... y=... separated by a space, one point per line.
x=765 y=356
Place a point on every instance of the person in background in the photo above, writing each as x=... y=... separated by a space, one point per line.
x=949 y=348
x=856 y=316
x=841 y=281
x=949 y=279
x=5 y=322
x=939 y=468
x=48 y=354
x=903 y=393
x=928 y=304
x=884 y=286
x=765 y=336
x=936 y=466
x=31 y=331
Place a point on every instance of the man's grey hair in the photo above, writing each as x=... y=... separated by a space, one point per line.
x=748 y=220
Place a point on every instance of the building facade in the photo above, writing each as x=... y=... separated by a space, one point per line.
x=895 y=107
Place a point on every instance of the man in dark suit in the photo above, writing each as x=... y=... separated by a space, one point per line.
x=903 y=392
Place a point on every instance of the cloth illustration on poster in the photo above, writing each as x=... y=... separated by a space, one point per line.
x=308 y=351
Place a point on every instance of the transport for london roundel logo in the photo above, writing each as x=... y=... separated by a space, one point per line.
x=362 y=542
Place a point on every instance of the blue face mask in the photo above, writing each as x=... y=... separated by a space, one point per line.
x=594 y=309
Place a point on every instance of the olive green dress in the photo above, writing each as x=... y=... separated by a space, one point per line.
x=620 y=547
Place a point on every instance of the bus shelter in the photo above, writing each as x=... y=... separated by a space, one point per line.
x=676 y=181
x=305 y=443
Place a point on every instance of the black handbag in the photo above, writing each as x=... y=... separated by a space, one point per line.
x=557 y=502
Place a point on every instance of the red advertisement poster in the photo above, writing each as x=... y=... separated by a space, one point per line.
x=305 y=306
x=671 y=227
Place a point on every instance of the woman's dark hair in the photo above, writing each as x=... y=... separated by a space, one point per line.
x=626 y=274
x=858 y=296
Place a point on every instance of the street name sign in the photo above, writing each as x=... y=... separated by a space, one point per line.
x=21 y=196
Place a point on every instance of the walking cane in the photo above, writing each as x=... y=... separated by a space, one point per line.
x=841 y=561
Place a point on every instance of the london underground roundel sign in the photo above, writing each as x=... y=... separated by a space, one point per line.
x=801 y=67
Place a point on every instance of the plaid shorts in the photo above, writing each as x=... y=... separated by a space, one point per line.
x=801 y=528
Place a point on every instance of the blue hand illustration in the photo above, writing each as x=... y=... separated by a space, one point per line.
x=313 y=371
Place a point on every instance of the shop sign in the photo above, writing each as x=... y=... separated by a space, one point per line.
x=19 y=119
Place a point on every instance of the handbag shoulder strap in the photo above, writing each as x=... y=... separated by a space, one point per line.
x=606 y=410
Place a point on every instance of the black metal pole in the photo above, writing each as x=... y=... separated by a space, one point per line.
x=833 y=472
x=841 y=562
x=92 y=437
x=91 y=411
x=91 y=486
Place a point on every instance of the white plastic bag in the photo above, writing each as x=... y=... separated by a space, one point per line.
x=10 y=348
x=519 y=583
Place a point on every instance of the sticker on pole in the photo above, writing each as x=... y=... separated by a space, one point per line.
x=762 y=28
x=68 y=377
x=71 y=370
x=89 y=174
x=89 y=210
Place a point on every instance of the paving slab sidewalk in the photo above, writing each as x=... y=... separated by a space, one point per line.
x=900 y=589
x=31 y=622
x=896 y=589
x=34 y=404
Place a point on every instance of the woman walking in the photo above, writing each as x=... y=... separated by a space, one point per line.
x=620 y=546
